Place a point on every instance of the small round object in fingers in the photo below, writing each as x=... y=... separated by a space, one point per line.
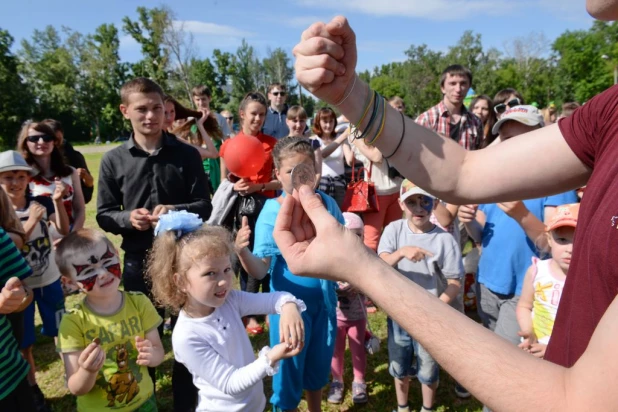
x=303 y=174
x=97 y=341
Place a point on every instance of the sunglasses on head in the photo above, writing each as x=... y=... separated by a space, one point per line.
x=279 y=93
x=501 y=108
x=46 y=138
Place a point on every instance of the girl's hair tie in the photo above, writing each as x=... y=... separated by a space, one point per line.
x=180 y=222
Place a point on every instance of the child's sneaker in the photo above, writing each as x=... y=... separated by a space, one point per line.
x=335 y=394
x=359 y=392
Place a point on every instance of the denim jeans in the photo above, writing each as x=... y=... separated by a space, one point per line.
x=401 y=349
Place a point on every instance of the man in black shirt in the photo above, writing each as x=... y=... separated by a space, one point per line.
x=146 y=177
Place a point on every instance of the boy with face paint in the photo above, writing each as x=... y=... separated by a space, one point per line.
x=431 y=258
x=109 y=339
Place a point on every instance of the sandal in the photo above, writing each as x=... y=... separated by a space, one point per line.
x=255 y=330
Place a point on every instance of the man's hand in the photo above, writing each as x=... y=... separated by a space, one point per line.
x=140 y=219
x=326 y=59
x=467 y=213
x=310 y=239
x=11 y=296
x=158 y=211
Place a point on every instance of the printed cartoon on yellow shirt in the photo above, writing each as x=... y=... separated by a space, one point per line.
x=120 y=376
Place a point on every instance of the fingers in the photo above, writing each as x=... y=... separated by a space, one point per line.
x=282 y=231
x=300 y=333
x=340 y=27
x=315 y=209
x=144 y=349
x=13 y=284
x=297 y=216
x=425 y=252
x=245 y=221
x=313 y=79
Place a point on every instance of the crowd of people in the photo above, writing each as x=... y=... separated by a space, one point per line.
x=495 y=177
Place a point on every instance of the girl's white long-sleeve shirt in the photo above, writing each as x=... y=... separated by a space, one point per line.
x=218 y=353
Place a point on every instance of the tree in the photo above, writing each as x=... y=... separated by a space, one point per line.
x=420 y=76
x=277 y=67
x=149 y=32
x=244 y=67
x=101 y=77
x=581 y=66
x=49 y=69
x=181 y=46
x=16 y=99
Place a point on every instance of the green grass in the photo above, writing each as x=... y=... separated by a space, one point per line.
x=50 y=371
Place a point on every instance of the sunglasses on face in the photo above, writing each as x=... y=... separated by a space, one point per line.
x=46 y=138
x=501 y=108
x=230 y=118
x=278 y=93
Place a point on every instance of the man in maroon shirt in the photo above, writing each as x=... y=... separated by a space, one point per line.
x=579 y=150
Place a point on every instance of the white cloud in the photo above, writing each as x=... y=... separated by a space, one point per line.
x=429 y=9
x=211 y=29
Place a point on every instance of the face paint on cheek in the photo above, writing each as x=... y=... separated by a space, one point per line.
x=114 y=270
x=88 y=283
x=427 y=204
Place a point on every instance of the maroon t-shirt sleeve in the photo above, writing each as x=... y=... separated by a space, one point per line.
x=586 y=131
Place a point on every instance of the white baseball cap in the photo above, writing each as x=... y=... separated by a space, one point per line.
x=408 y=189
x=12 y=160
x=525 y=114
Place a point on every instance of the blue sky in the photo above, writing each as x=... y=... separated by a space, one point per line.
x=385 y=28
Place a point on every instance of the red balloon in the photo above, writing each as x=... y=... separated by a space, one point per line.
x=244 y=155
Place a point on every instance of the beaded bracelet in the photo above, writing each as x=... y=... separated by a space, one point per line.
x=382 y=123
x=403 y=133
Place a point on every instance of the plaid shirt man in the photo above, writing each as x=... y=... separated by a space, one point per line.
x=438 y=119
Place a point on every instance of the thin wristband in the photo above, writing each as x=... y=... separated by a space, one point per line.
x=382 y=123
x=368 y=101
x=403 y=133
x=350 y=92
x=376 y=107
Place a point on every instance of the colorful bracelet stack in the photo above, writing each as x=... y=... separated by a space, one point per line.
x=376 y=121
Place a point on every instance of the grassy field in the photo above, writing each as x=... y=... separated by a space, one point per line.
x=50 y=371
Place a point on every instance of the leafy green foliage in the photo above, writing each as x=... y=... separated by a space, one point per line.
x=75 y=78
